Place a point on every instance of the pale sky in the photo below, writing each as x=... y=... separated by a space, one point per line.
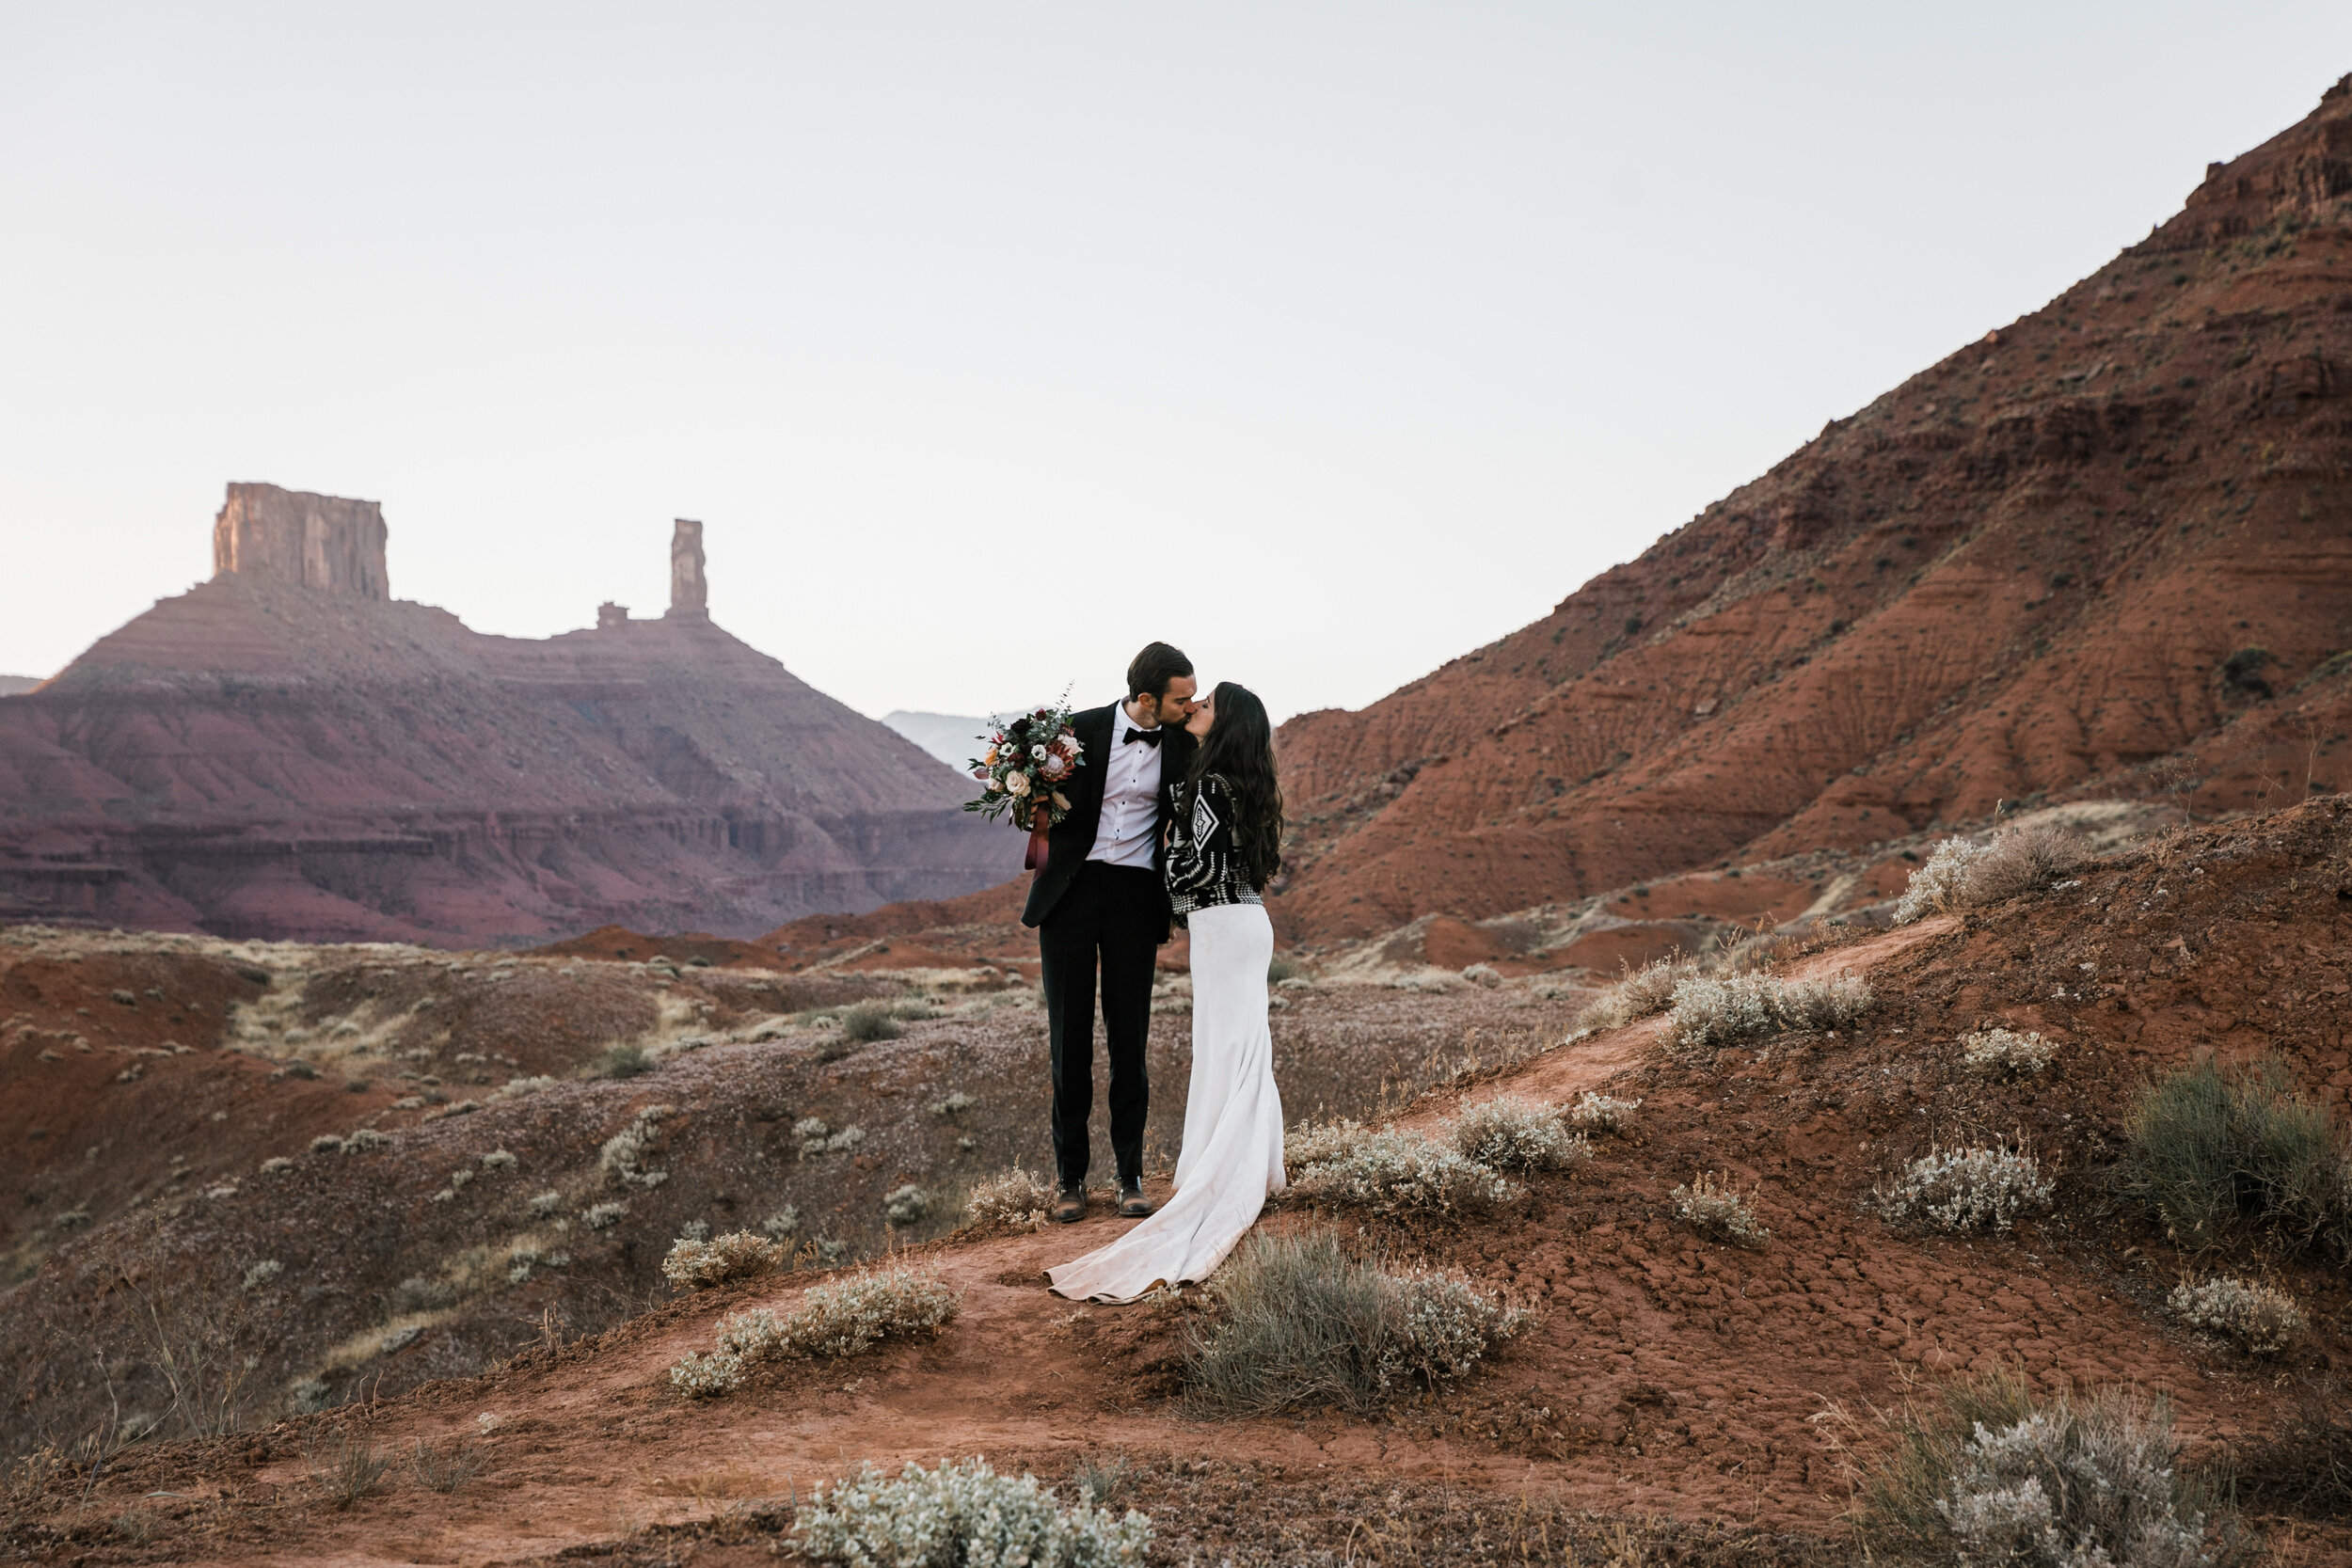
x=988 y=340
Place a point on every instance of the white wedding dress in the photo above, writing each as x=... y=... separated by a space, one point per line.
x=1232 y=1152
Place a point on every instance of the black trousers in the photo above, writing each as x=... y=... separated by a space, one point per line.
x=1113 y=914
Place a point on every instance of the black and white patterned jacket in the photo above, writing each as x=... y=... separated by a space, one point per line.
x=1203 y=866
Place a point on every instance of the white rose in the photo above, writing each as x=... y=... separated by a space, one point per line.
x=1016 y=784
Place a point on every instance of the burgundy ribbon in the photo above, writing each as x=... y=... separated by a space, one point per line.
x=1042 y=821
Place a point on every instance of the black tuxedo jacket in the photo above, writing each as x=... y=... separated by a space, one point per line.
x=1068 y=844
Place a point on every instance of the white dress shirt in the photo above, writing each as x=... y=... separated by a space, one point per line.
x=1131 y=799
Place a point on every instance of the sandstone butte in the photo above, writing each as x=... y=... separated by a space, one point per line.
x=286 y=750
x=2105 y=551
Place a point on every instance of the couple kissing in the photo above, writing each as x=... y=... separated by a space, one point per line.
x=1174 y=819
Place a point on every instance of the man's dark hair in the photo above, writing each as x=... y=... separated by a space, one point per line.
x=1153 y=668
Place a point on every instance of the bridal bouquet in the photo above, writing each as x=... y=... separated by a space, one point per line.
x=1027 y=761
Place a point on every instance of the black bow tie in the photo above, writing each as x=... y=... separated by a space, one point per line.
x=1149 y=738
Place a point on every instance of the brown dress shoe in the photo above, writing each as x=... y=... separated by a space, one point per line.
x=1132 y=1203
x=1072 y=1206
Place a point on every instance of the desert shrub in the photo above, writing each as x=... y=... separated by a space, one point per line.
x=2261 y=1319
x=443 y=1468
x=961 y=1515
x=1598 y=1113
x=1960 y=875
x=866 y=1022
x=277 y=1164
x=954 y=1103
x=327 y=1143
x=2021 y=860
x=517 y=1089
x=364 y=1140
x=1832 y=1002
x=815 y=1138
x=695 y=1230
x=263 y=1272
x=543 y=1205
x=1637 y=993
x=843 y=1319
x=705 y=1375
x=2207 y=1152
x=1301 y=1323
x=621 y=1061
x=1279 y=969
x=1934 y=887
x=347 y=1470
x=905 y=1205
x=418 y=1293
x=783 y=1223
x=1964 y=1189
x=1990 y=1475
x=1717 y=1010
x=307 y=1396
x=1017 y=1200
x=1512 y=1134
x=1310 y=1142
x=696 y=1264
x=1719 y=1212
x=622 y=1159
x=1399 y=1172
x=2004 y=1052
x=603 y=1216
x=1482 y=975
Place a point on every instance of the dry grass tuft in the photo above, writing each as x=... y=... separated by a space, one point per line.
x=1959 y=874
x=1016 y=1200
x=694 y=1264
x=1719 y=1212
x=1637 y=993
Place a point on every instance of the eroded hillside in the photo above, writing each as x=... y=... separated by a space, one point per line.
x=2091 y=554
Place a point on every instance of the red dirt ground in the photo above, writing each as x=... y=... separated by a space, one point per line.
x=1666 y=1375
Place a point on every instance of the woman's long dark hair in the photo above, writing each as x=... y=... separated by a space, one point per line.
x=1240 y=750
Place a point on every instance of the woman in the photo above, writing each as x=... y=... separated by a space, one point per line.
x=1224 y=844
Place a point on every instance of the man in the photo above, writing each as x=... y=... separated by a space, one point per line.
x=1101 y=897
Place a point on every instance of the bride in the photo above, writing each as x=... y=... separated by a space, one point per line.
x=1223 y=846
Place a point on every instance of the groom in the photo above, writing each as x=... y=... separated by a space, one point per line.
x=1101 y=896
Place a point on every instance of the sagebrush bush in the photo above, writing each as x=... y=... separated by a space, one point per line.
x=1399 y=1172
x=263 y=1272
x=1509 y=1133
x=1598 y=1113
x=843 y=1319
x=1721 y=1213
x=866 y=1024
x=623 y=1061
x=364 y=1140
x=603 y=1216
x=1990 y=1475
x=784 y=1222
x=696 y=1264
x=1959 y=874
x=2207 y=1152
x=1717 y=1010
x=622 y=1159
x=1637 y=993
x=1017 y=1200
x=1306 y=1145
x=1964 y=1189
x=906 y=1205
x=1299 y=1321
x=2005 y=1054
x=2261 y=1319
x=962 y=1515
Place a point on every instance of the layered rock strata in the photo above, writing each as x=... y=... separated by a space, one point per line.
x=285 y=756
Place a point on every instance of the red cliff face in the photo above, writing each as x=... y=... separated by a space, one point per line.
x=2106 y=549
x=284 y=752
